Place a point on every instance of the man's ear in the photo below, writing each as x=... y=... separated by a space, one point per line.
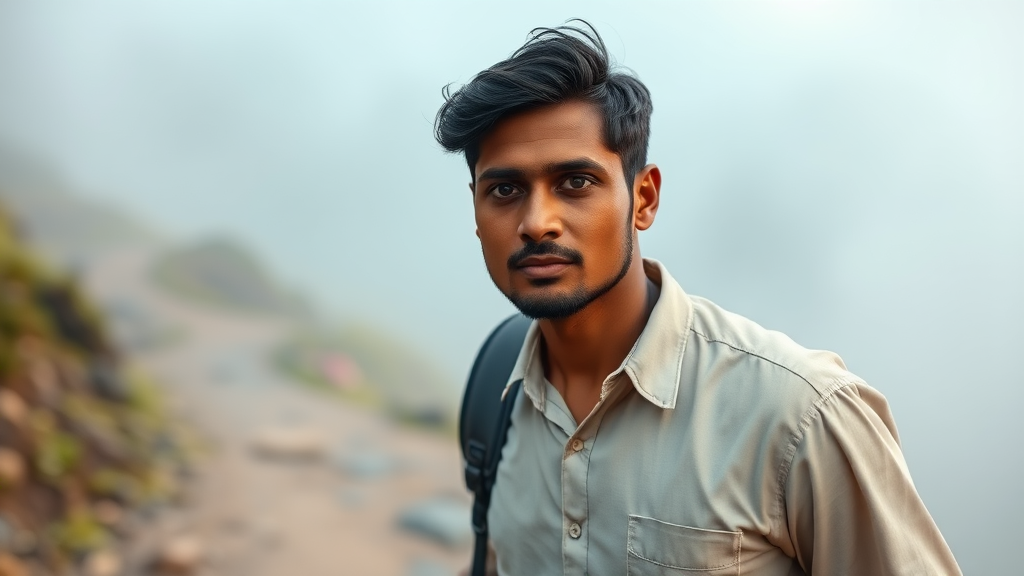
x=646 y=195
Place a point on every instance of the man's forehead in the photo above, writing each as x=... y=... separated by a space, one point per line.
x=546 y=136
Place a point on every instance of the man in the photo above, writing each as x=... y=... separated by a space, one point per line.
x=656 y=432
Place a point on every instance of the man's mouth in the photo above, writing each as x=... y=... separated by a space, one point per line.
x=543 y=261
x=545 y=266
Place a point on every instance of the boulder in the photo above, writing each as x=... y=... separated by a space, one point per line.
x=180 y=555
x=12 y=469
x=12 y=408
x=102 y=563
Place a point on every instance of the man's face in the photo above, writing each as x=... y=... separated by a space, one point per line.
x=553 y=211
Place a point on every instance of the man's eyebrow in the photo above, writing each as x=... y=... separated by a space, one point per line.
x=503 y=174
x=573 y=165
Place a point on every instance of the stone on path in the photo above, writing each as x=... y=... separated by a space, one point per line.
x=366 y=464
x=289 y=444
x=102 y=563
x=180 y=555
x=443 y=520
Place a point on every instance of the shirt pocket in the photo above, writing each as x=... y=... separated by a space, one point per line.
x=656 y=548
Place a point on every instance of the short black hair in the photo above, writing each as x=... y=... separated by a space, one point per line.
x=554 y=65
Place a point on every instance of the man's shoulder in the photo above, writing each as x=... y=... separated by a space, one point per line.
x=748 y=346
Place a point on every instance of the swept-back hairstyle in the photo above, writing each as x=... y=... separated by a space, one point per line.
x=554 y=65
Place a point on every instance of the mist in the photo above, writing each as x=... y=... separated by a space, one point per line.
x=851 y=174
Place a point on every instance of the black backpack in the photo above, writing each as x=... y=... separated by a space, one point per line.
x=484 y=421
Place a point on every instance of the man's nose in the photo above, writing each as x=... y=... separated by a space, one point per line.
x=540 y=218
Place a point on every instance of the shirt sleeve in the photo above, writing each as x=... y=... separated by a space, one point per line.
x=850 y=505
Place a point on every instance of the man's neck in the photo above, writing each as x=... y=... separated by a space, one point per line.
x=580 y=351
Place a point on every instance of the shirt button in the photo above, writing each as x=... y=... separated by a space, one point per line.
x=577 y=445
x=574 y=531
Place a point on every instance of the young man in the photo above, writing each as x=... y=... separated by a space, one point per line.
x=656 y=432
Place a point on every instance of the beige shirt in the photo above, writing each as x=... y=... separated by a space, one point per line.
x=718 y=447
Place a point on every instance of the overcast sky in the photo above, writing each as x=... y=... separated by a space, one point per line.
x=849 y=173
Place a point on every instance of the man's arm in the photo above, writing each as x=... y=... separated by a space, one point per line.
x=850 y=505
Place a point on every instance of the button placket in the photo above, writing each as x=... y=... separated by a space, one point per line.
x=575 y=465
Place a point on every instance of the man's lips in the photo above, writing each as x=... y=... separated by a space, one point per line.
x=545 y=266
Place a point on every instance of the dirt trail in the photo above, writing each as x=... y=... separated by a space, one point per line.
x=256 y=516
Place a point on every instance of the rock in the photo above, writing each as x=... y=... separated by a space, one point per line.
x=108 y=513
x=44 y=377
x=180 y=555
x=11 y=566
x=289 y=444
x=443 y=520
x=107 y=381
x=12 y=469
x=365 y=464
x=12 y=408
x=102 y=563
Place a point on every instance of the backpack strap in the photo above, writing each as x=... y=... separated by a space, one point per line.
x=484 y=421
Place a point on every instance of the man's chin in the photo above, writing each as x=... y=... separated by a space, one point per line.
x=550 y=307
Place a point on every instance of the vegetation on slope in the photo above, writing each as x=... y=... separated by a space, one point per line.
x=79 y=435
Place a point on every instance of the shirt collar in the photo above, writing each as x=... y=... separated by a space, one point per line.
x=655 y=361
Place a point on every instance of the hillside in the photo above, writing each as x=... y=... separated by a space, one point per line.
x=83 y=441
x=72 y=230
x=220 y=272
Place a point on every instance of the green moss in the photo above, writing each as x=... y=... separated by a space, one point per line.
x=90 y=411
x=79 y=533
x=57 y=455
x=116 y=484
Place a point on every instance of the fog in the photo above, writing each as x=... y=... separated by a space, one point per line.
x=849 y=173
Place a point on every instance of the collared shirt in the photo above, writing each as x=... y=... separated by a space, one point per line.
x=717 y=447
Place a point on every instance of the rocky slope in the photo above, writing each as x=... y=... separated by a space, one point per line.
x=82 y=439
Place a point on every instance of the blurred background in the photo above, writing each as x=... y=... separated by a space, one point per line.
x=241 y=287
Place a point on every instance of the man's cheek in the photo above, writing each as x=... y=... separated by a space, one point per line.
x=494 y=260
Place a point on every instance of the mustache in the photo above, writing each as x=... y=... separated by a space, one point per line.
x=544 y=249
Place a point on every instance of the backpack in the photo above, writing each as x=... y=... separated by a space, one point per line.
x=484 y=420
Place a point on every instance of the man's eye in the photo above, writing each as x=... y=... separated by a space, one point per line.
x=576 y=182
x=503 y=190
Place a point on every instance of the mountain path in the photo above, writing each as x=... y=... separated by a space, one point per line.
x=258 y=516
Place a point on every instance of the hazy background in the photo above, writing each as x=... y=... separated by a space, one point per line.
x=849 y=173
